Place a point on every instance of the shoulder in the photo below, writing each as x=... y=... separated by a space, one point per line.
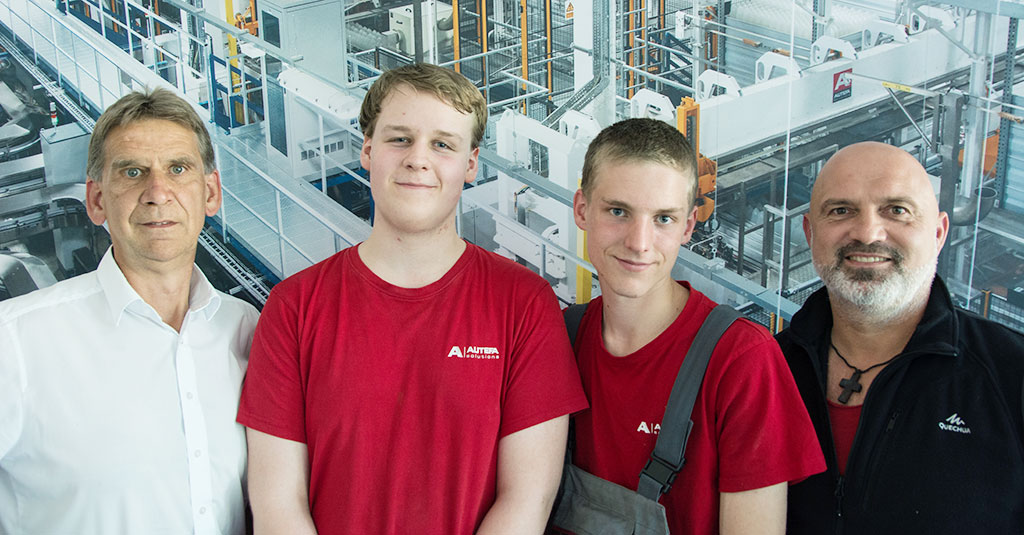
x=747 y=349
x=742 y=336
x=990 y=341
x=494 y=262
x=502 y=274
x=973 y=325
x=785 y=337
x=40 y=303
x=308 y=280
x=237 y=309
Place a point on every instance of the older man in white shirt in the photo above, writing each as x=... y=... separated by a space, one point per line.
x=118 y=388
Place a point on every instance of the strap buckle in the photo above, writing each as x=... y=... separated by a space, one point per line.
x=661 y=471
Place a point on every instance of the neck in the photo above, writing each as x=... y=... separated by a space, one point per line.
x=166 y=290
x=864 y=340
x=411 y=261
x=630 y=323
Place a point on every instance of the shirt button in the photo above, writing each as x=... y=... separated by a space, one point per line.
x=202 y=510
x=198 y=453
x=188 y=395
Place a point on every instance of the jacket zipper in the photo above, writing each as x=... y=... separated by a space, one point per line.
x=892 y=421
x=840 y=488
x=884 y=445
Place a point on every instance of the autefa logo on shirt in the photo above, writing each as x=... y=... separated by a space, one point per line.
x=651 y=428
x=474 y=352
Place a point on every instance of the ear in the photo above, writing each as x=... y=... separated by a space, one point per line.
x=691 y=223
x=941 y=231
x=94 y=201
x=579 y=209
x=807 y=229
x=474 y=165
x=364 y=154
x=214 y=196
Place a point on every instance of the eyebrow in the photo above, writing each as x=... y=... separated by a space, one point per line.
x=620 y=204
x=399 y=129
x=184 y=161
x=831 y=203
x=123 y=163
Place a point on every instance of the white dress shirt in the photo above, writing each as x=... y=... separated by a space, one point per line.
x=110 y=421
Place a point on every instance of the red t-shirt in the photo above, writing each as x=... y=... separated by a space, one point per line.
x=750 y=427
x=844 y=420
x=401 y=395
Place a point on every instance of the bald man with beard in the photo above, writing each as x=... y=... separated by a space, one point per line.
x=917 y=404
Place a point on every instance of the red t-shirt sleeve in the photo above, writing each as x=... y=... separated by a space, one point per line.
x=543 y=381
x=272 y=394
x=764 y=434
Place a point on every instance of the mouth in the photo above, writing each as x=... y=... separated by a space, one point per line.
x=867 y=259
x=415 y=185
x=869 y=256
x=159 y=224
x=632 y=265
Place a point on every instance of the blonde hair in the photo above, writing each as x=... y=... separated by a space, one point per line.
x=445 y=84
x=640 y=140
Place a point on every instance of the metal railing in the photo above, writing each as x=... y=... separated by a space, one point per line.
x=96 y=72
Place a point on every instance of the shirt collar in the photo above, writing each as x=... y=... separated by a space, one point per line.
x=120 y=295
x=936 y=332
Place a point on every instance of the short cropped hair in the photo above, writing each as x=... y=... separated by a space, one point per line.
x=159 y=103
x=446 y=85
x=640 y=140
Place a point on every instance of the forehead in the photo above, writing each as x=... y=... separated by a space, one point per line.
x=405 y=107
x=652 y=181
x=867 y=180
x=151 y=138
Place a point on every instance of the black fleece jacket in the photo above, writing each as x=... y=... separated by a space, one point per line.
x=939 y=445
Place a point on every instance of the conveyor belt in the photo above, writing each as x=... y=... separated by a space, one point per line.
x=52 y=88
x=255 y=286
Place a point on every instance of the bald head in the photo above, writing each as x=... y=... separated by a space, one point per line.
x=874 y=228
x=874 y=162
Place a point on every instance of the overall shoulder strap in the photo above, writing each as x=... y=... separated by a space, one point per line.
x=573 y=316
x=667 y=458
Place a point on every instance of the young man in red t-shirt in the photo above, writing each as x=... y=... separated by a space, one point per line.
x=751 y=433
x=413 y=383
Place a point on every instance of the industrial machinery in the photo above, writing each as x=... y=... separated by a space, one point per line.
x=765 y=90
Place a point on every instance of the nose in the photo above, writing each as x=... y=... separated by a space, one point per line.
x=639 y=235
x=416 y=158
x=158 y=188
x=869 y=227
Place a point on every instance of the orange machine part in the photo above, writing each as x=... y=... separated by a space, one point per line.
x=688 y=122
x=991 y=154
x=707 y=179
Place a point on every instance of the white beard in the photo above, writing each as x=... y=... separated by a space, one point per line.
x=880 y=296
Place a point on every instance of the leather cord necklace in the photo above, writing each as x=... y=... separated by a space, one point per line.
x=852 y=383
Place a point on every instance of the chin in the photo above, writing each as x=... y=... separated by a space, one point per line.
x=629 y=291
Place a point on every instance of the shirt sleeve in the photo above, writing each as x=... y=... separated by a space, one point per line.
x=765 y=436
x=272 y=394
x=12 y=388
x=543 y=382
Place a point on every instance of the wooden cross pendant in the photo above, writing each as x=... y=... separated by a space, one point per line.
x=850 y=386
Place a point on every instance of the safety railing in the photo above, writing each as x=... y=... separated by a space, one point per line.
x=92 y=67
